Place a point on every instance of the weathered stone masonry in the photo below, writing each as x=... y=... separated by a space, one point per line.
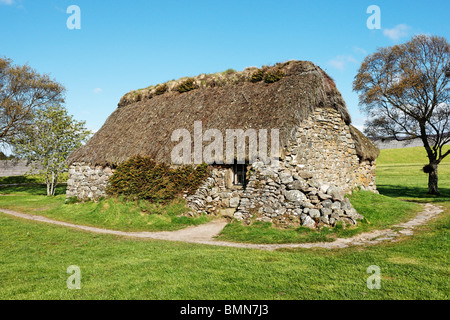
x=87 y=182
x=317 y=168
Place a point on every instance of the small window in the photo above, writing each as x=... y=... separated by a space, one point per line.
x=240 y=171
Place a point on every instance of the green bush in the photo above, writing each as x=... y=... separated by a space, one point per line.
x=273 y=76
x=258 y=76
x=143 y=178
x=162 y=88
x=186 y=86
x=228 y=71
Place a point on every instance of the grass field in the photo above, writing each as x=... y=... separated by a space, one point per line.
x=34 y=258
x=416 y=155
x=379 y=211
x=111 y=213
x=399 y=175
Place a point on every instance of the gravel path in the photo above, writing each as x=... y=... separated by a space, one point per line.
x=205 y=233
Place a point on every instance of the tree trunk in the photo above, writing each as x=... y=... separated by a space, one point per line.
x=48 y=183
x=54 y=182
x=433 y=179
x=52 y=185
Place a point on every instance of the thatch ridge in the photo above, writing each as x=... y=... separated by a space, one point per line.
x=226 y=78
x=144 y=127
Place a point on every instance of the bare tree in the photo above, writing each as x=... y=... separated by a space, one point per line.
x=22 y=92
x=404 y=90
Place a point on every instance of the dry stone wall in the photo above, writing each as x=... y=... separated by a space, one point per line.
x=87 y=182
x=10 y=168
x=324 y=147
x=318 y=167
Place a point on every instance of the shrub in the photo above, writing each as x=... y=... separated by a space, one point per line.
x=228 y=71
x=186 y=86
x=162 y=88
x=273 y=76
x=143 y=178
x=258 y=76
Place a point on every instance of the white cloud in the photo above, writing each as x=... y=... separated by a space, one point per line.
x=97 y=90
x=397 y=32
x=7 y=2
x=359 y=124
x=340 y=62
x=360 y=50
x=360 y=127
x=60 y=9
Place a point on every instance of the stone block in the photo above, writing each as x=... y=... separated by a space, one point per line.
x=295 y=195
x=234 y=202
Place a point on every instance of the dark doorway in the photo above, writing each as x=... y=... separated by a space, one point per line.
x=240 y=174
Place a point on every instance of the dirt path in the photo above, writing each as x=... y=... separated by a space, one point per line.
x=205 y=233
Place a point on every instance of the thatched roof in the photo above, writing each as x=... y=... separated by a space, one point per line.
x=145 y=119
x=365 y=148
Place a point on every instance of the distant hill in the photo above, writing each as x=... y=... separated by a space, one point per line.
x=392 y=143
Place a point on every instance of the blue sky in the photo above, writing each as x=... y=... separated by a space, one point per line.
x=126 y=45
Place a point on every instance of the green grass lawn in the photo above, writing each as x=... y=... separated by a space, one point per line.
x=399 y=175
x=379 y=211
x=111 y=213
x=415 y=155
x=34 y=258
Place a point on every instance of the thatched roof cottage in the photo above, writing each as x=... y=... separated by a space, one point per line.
x=321 y=155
